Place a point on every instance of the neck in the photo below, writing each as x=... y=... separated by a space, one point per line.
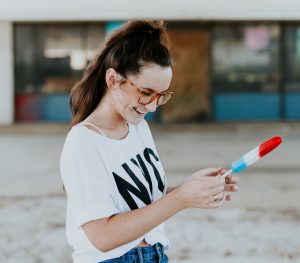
x=106 y=116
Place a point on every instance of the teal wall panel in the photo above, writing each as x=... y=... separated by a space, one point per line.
x=292 y=106
x=55 y=108
x=246 y=106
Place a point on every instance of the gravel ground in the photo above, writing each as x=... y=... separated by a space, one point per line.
x=261 y=224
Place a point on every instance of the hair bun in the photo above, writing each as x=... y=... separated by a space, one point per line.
x=154 y=33
x=153 y=30
x=149 y=30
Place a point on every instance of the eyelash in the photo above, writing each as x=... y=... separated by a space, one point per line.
x=146 y=93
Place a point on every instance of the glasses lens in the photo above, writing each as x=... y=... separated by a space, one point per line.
x=146 y=99
x=163 y=99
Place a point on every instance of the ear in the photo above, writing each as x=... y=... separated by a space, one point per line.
x=111 y=78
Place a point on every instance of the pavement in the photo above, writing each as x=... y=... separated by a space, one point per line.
x=32 y=202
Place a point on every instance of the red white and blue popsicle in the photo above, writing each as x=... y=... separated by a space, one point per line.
x=254 y=155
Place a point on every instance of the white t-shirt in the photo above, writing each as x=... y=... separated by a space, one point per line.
x=103 y=177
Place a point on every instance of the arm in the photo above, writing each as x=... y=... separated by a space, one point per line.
x=111 y=232
x=171 y=188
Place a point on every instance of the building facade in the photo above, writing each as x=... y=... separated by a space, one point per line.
x=233 y=61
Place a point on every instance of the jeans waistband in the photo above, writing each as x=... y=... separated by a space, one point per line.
x=141 y=254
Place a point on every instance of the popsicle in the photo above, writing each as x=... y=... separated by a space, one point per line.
x=254 y=155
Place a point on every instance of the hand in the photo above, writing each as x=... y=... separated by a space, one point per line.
x=204 y=173
x=230 y=185
x=203 y=189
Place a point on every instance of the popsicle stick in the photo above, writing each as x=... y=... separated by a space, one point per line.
x=227 y=173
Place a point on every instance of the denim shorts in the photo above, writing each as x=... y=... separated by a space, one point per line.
x=150 y=254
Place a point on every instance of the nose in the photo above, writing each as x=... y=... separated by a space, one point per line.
x=151 y=106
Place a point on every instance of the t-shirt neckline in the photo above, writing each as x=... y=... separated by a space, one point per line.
x=109 y=138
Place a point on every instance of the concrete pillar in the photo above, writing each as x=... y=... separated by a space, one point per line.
x=6 y=74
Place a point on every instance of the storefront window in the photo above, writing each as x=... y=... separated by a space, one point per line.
x=245 y=58
x=50 y=58
x=292 y=58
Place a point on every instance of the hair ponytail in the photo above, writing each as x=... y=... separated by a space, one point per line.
x=126 y=50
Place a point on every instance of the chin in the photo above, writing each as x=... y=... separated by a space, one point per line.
x=135 y=121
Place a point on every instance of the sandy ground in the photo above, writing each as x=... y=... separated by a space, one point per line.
x=261 y=224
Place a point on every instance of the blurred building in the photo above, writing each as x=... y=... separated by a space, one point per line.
x=234 y=60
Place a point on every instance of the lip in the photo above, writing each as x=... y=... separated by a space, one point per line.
x=140 y=114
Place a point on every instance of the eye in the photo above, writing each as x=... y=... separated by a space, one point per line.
x=145 y=93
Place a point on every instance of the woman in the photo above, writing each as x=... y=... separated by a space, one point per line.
x=118 y=197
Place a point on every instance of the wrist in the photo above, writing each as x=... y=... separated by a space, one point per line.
x=177 y=197
x=170 y=189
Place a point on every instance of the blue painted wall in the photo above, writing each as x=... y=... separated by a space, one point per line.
x=250 y=106
x=112 y=26
x=292 y=106
x=55 y=107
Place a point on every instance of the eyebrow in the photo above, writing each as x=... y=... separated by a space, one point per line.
x=147 y=89
x=151 y=90
x=143 y=88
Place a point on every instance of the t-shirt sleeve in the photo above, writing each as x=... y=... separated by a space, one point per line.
x=89 y=189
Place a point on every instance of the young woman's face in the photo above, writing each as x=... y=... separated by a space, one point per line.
x=151 y=80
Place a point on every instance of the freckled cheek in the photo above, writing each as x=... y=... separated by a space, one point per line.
x=127 y=101
x=127 y=104
x=132 y=102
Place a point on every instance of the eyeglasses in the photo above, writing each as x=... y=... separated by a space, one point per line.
x=147 y=97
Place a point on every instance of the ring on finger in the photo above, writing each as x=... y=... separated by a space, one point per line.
x=221 y=198
x=215 y=198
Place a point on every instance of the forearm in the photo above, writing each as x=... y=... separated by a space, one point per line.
x=171 y=188
x=126 y=227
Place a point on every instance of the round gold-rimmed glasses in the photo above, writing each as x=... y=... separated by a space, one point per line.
x=147 y=97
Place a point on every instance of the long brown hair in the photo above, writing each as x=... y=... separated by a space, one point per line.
x=126 y=50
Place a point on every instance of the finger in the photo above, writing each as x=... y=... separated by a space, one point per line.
x=231 y=188
x=212 y=181
x=207 y=174
x=216 y=198
x=216 y=204
x=227 y=197
x=223 y=171
x=213 y=171
x=218 y=180
x=216 y=190
x=228 y=179
x=204 y=178
x=231 y=179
